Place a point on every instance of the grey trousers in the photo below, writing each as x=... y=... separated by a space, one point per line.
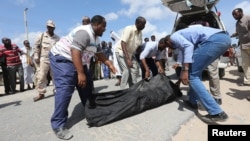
x=129 y=75
x=245 y=54
x=214 y=79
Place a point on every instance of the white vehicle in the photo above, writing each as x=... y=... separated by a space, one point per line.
x=190 y=11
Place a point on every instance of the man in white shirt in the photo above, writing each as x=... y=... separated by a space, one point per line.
x=148 y=63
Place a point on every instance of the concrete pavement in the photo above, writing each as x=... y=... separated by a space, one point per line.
x=23 y=120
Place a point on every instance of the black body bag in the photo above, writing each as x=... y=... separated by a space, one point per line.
x=144 y=95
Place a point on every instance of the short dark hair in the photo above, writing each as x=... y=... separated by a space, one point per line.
x=162 y=40
x=167 y=38
x=25 y=41
x=239 y=10
x=140 y=19
x=85 y=20
x=5 y=39
x=97 y=19
x=181 y=26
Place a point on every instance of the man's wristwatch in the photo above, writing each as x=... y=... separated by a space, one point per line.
x=185 y=68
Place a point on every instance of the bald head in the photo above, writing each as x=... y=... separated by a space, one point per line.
x=85 y=20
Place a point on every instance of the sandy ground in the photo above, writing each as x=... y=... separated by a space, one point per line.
x=234 y=103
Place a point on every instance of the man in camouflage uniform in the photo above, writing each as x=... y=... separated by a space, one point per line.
x=42 y=47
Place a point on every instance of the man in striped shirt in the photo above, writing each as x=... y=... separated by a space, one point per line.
x=4 y=70
x=14 y=64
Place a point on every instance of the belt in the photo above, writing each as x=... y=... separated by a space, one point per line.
x=225 y=32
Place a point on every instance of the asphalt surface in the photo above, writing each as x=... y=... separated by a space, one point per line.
x=25 y=120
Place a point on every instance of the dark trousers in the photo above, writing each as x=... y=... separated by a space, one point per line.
x=65 y=80
x=12 y=70
x=152 y=66
x=5 y=78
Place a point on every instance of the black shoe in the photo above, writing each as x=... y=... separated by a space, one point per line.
x=248 y=98
x=22 y=90
x=194 y=106
x=13 y=92
x=29 y=88
x=92 y=103
x=214 y=118
x=218 y=100
x=63 y=133
x=191 y=105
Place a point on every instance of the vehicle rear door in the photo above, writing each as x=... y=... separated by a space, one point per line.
x=187 y=7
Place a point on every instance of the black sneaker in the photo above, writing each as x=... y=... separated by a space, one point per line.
x=218 y=100
x=214 y=118
x=248 y=98
x=29 y=88
x=22 y=90
x=191 y=105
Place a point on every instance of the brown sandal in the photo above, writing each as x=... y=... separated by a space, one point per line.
x=39 y=97
x=118 y=83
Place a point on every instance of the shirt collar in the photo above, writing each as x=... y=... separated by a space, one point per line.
x=91 y=29
x=135 y=29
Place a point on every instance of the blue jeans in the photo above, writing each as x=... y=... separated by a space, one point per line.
x=65 y=80
x=204 y=54
x=105 y=70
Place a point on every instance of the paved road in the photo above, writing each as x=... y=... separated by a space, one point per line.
x=23 y=120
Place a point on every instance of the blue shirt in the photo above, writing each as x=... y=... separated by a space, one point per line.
x=150 y=49
x=107 y=51
x=186 y=40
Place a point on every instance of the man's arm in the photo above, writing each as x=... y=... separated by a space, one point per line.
x=234 y=34
x=159 y=66
x=144 y=64
x=158 y=62
x=126 y=56
x=124 y=49
x=77 y=61
x=37 y=46
x=105 y=60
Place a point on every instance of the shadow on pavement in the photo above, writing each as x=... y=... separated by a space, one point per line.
x=16 y=103
x=239 y=94
x=77 y=115
x=100 y=88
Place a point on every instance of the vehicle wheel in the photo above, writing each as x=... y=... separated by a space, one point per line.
x=221 y=72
